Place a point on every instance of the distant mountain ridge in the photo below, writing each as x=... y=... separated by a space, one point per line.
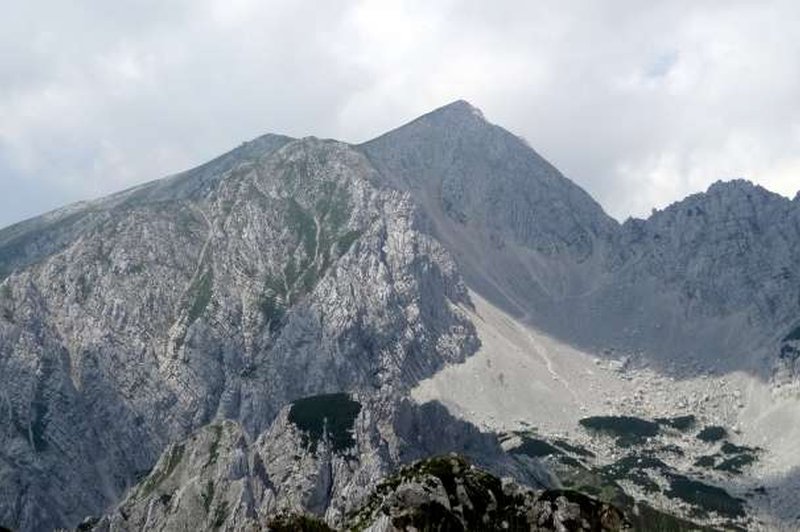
x=712 y=276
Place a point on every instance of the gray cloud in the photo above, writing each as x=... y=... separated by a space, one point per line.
x=641 y=103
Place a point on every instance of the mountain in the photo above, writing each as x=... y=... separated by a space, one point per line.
x=225 y=292
x=724 y=264
x=713 y=276
x=442 y=283
x=524 y=236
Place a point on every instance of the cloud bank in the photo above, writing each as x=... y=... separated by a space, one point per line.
x=640 y=103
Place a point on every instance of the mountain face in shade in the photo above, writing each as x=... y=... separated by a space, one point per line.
x=726 y=262
x=202 y=305
x=523 y=235
x=479 y=176
x=712 y=277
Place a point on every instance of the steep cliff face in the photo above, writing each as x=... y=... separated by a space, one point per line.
x=276 y=273
x=32 y=240
x=481 y=176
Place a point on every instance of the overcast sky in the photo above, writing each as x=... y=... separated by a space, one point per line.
x=639 y=102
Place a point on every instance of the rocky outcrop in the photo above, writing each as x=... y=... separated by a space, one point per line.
x=712 y=278
x=448 y=493
x=321 y=456
x=787 y=366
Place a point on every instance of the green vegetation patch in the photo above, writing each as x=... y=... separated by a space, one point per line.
x=333 y=415
x=633 y=469
x=220 y=514
x=736 y=457
x=729 y=448
x=39 y=425
x=301 y=223
x=275 y=298
x=6 y=302
x=535 y=448
x=736 y=464
x=646 y=518
x=574 y=449
x=679 y=422
x=200 y=294
x=706 y=497
x=629 y=430
x=297 y=523
x=321 y=235
x=712 y=433
x=334 y=206
x=160 y=475
x=793 y=335
x=706 y=461
x=576 y=476
x=213 y=449
x=208 y=495
x=601 y=483
x=672 y=449
x=346 y=241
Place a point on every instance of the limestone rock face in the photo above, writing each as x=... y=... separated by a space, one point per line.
x=787 y=367
x=279 y=271
x=523 y=235
x=713 y=277
x=315 y=459
x=480 y=176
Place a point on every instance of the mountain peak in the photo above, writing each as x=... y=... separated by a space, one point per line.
x=460 y=110
x=743 y=189
x=721 y=186
x=460 y=106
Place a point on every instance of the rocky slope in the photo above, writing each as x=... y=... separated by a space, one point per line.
x=322 y=456
x=524 y=236
x=277 y=272
x=712 y=279
x=214 y=481
x=451 y=494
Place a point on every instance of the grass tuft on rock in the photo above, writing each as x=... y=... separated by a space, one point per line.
x=331 y=415
x=629 y=430
x=712 y=433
